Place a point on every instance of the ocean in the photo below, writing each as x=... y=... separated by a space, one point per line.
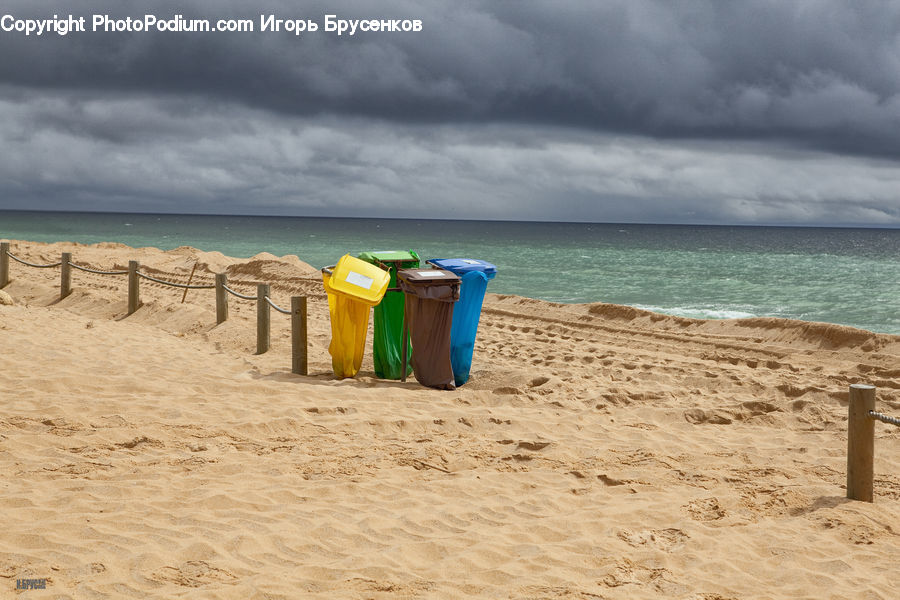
x=836 y=275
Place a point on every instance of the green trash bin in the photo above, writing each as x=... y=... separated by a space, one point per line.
x=388 y=319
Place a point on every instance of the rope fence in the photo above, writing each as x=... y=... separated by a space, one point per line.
x=36 y=266
x=884 y=418
x=95 y=271
x=241 y=296
x=276 y=307
x=178 y=285
x=263 y=300
x=861 y=441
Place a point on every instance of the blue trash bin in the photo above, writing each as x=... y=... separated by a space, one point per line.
x=474 y=276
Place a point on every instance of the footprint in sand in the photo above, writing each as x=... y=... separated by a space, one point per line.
x=698 y=416
x=194 y=573
x=506 y=391
x=538 y=381
x=666 y=540
x=706 y=509
x=140 y=441
x=755 y=408
x=534 y=446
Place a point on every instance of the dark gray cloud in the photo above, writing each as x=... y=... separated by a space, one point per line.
x=822 y=74
x=158 y=155
x=631 y=110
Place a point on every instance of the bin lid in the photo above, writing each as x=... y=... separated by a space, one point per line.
x=358 y=279
x=465 y=265
x=435 y=284
x=389 y=256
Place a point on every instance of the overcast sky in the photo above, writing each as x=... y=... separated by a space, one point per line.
x=751 y=112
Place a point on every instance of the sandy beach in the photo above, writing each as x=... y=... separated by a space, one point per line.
x=598 y=451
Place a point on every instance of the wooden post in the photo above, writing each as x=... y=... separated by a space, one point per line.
x=134 y=286
x=262 y=318
x=221 y=298
x=65 y=277
x=298 y=336
x=861 y=443
x=4 y=264
x=190 y=279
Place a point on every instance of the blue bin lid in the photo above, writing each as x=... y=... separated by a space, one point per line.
x=465 y=265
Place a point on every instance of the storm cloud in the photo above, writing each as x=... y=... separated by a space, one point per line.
x=749 y=112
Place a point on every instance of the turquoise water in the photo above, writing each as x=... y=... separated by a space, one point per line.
x=846 y=276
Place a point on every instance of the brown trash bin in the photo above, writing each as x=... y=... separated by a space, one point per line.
x=429 y=295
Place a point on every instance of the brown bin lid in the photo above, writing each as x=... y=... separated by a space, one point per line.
x=427 y=276
x=435 y=284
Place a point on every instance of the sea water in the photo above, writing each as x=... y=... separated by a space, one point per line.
x=836 y=275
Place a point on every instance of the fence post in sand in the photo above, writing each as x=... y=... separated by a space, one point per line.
x=861 y=443
x=65 y=275
x=298 y=336
x=221 y=298
x=4 y=264
x=134 y=283
x=262 y=318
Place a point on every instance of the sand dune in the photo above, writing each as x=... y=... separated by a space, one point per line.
x=599 y=451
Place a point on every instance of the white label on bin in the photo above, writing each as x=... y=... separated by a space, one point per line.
x=360 y=280
x=431 y=274
x=471 y=262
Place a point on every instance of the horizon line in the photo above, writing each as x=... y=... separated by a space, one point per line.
x=496 y=220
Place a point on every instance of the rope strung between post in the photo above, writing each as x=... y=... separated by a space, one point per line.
x=276 y=307
x=242 y=296
x=178 y=285
x=87 y=270
x=884 y=418
x=25 y=262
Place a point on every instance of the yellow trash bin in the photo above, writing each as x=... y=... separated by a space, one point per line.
x=353 y=287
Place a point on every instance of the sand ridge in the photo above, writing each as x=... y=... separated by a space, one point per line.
x=599 y=451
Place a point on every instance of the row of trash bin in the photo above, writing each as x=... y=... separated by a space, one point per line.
x=426 y=318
